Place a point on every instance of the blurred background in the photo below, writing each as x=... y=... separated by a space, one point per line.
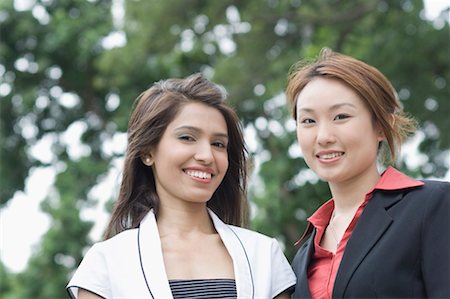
x=71 y=69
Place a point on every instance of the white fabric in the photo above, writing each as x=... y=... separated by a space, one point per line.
x=130 y=265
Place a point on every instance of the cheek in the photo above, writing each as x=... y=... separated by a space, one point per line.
x=365 y=143
x=222 y=160
x=304 y=140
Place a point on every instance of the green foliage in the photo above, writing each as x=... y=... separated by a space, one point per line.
x=5 y=279
x=56 y=48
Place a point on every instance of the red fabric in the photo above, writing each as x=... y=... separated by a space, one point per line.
x=324 y=264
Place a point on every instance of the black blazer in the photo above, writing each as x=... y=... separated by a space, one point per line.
x=398 y=249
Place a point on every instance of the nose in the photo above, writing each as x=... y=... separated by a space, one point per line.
x=325 y=134
x=204 y=153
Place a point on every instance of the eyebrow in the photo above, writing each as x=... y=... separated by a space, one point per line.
x=197 y=130
x=334 y=107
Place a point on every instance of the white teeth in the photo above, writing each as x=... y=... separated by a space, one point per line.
x=198 y=174
x=330 y=156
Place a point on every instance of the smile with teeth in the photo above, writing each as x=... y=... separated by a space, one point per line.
x=330 y=155
x=198 y=174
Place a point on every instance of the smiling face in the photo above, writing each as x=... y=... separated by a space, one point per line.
x=191 y=158
x=336 y=133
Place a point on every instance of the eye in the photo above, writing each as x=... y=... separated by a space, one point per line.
x=341 y=116
x=307 y=121
x=219 y=144
x=186 y=137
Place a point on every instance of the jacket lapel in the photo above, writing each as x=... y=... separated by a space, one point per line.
x=370 y=228
x=151 y=257
x=152 y=263
x=302 y=288
x=241 y=263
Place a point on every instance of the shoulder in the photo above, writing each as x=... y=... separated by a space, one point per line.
x=258 y=243
x=249 y=234
x=271 y=270
x=243 y=234
x=304 y=246
x=432 y=190
x=437 y=186
x=436 y=195
x=117 y=243
x=428 y=189
x=431 y=184
x=109 y=254
x=104 y=264
x=419 y=204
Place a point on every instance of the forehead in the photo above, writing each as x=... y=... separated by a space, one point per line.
x=324 y=92
x=201 y=116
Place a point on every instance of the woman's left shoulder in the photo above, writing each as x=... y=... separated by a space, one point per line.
x=440 y=184
x=433 y=196
x=435 y=187
x=251 y=234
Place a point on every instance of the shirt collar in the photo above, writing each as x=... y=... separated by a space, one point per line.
x=391 y=179
x=152 y=261
x=321 y=217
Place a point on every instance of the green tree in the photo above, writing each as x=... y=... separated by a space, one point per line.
x=394 y=36
x=48 y=57
x=58 y=73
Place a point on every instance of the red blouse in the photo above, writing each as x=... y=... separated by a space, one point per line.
x=324 y=264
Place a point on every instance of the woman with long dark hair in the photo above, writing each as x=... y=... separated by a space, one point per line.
x=175 y=231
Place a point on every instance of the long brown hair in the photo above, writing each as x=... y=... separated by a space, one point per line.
x=155 y=109
x=370 y=84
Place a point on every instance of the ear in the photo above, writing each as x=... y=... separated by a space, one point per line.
x=380 y=132
x=381 y=135
x=147 y=160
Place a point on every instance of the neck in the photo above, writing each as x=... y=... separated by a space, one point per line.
x=184 y=220
x=349 y=195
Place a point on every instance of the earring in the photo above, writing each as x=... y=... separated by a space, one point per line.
x=148 y=161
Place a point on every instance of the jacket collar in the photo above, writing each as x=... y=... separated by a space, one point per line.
x=241 y=263
x=152 y=263
x=373 y=223
x=365 y=235
x=302 y=288
x=390 y=180
x=151 y=258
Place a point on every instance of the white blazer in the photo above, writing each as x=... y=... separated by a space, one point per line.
x=130 y=265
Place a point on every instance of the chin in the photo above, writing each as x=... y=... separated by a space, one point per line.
x=329 y=178
x=200 y=199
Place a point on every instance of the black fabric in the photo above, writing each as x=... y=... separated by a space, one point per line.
x=203 y=288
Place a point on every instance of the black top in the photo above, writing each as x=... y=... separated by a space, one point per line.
x=203 y=288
